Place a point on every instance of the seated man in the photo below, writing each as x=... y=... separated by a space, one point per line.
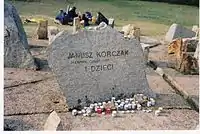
x=60 y=17
x=72 y=14
x=88 y=15
x=84 y=20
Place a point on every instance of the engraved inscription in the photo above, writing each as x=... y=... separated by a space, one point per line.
x=103 y=56
x=98 y=68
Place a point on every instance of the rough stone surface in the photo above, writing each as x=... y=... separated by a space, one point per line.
x=176 y=31
x=16 y=49
x=84 y=80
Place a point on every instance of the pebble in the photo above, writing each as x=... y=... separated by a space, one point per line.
x=128 y=111
x=134 y=106
x=160 y=108
x=85 y=108
x=109 y=102
x=127 y=99
x=126 y=107
x=95 y=109
x=139 y=107
x=103 y=113
x=145 y=98
x=148 y=103
x=113 y=98
x=79 y=112
x=104 y=103
x=129 y=106
x=91 y=105
x=122 y=112
x=114 y=113
x=126 y=102
x=102 y=107
x=152 y=101
x=74 y=112
x=95 y=104
x=157 y=112
x=144 y=110
x=131 y=99
x=84 y=115
x=132 y=111
x=99 y=104
x=118 y=101
x=116 y=104
x=148 y=111
x=83 y=111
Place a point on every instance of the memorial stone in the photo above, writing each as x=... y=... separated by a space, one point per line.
x=93 y=66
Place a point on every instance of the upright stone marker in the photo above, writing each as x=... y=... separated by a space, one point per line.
x=96 y=65
x=178 y=31
x=16 y=48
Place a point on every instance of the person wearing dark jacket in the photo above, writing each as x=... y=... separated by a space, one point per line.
x=72 y=13
x=85 y=20
x=60 y=17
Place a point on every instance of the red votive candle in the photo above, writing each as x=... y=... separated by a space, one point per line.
x=99 y=110
x=108 y=111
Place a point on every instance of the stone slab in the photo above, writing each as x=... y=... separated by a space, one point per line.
x=14 y=76
x=166 y=96
x=110 y=66
x=40 y=97
x=190 y=85
x=174 y=119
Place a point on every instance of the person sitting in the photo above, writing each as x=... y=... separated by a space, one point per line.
x=60 y=17
x=84 y=20
x=72 y=14
x=88 y=15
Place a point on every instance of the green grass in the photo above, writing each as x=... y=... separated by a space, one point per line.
x=154 y=18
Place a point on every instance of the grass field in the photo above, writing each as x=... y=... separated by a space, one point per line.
x=153 y=18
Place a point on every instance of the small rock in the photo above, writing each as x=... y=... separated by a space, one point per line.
x=122 y=112
x=129 y=106
x=132 y=111
x=99 y=104
x=74 y=112
x=79 y=112
x=118 y=101
x=139 y=107
x=126 y=101
x=148 y=111
x=83 y=111
x=113 y=98
x=126 y=107
x=134 y=106
x=95 y=104
x=114 y=113
x=148 y=103
x=144 y=110
x=157 y=112
x=160 y=108
x=102 y=107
